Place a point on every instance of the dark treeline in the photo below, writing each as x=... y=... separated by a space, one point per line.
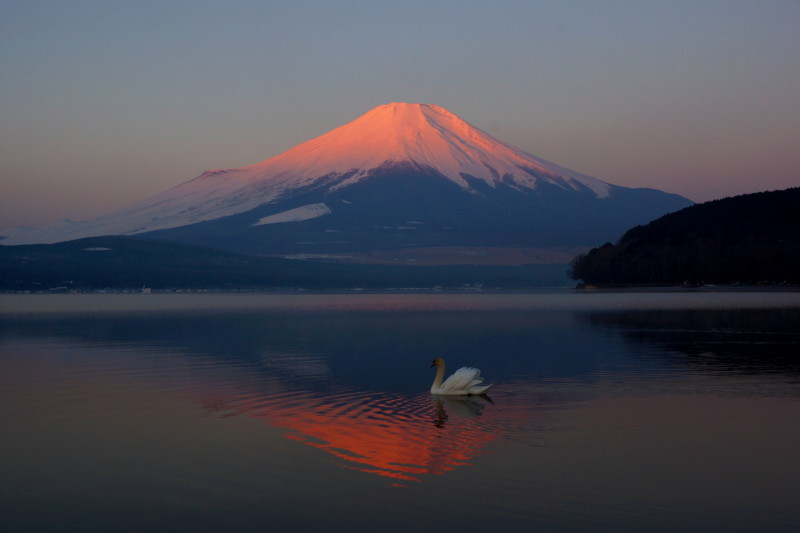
x=753 y=238
x=130 y=263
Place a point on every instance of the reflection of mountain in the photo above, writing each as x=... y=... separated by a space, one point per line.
x=385 y=434
x=742 y=341
x=344 y=384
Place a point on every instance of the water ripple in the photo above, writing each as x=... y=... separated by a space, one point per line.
x=392 y=435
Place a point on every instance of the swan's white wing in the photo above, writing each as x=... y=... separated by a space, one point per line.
x=480 y=390
x=461 y=381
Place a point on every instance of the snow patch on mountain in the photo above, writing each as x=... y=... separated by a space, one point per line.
x=306 y=212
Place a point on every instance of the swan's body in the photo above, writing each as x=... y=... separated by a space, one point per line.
x=464 y=381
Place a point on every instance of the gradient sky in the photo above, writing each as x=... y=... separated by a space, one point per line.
x=105 y=103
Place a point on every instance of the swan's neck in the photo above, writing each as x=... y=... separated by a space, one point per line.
x=437 y=381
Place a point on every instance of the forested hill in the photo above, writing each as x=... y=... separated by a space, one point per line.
x=753 y=238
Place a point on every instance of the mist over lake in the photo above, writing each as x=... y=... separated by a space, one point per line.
x=617 y=411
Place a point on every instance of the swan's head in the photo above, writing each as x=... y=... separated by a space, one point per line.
x=437 y=362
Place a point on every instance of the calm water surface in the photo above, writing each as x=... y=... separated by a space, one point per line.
x=255 y=412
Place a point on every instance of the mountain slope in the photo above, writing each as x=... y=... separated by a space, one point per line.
x=402 y=175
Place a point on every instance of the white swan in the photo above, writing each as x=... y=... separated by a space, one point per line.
x=464 y=381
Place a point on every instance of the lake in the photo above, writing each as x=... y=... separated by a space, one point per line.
x=611 y=411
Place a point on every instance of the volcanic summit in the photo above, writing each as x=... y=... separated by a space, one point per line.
x=401 y=176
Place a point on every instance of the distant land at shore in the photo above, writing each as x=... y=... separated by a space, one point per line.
x=131 y=263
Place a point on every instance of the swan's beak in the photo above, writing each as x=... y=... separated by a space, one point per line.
x=433 y=364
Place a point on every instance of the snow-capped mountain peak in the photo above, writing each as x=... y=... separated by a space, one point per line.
x=425 y=135
x=424 y=139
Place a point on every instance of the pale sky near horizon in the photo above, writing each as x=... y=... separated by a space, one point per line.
x=105 y=103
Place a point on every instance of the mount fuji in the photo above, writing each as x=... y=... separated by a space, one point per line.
x=402 y=176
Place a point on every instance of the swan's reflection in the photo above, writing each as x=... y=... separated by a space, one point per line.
x=379 y=433
x=461 y=406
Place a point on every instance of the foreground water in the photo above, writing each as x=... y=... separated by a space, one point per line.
x=610 y=411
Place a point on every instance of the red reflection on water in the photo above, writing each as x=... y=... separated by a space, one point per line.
x=392 y=436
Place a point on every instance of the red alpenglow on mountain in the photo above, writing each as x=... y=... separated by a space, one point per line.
x=400 y=176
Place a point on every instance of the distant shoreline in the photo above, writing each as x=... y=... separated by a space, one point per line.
x=685 y=288
x=580 y=287
x=13 y=306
